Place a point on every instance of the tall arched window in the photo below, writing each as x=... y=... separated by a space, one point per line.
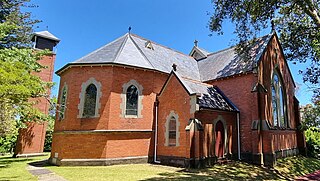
x=63 y=101
x=132 y=100
x=90 y=98
x=172 y=131
x=278 y=102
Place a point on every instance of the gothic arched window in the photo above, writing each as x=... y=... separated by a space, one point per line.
x=63 y=102
x=132 y=95
x=90 y=98
x=172 y=131
x=278 y=102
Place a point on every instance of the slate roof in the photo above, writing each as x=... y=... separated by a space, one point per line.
x=210 y=97
x=130 y=50
x=227 y=62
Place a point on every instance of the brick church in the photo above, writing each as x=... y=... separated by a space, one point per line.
x=134 y=100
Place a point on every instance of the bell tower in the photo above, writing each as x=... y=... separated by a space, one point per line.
x=31 y=139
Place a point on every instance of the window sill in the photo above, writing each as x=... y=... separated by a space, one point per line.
x=130 y=116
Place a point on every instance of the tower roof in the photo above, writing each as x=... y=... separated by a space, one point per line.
x=46 y=34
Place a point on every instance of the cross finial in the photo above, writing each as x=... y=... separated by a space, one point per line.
x=174 y=67
x=196 y=43
x=129 y=29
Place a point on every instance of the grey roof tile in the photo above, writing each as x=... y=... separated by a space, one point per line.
x=105 y=54
x=227 y=62
x=211 y=97
x=162 y=58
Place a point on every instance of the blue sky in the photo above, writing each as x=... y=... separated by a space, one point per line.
x=84 y=26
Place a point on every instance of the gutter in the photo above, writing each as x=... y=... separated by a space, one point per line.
x=238 y=132
x=156 y=134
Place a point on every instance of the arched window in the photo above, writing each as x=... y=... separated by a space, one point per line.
x=172 y=131
x=90 y=98
x=63 y=101
x=278 y=102
x=132 y=100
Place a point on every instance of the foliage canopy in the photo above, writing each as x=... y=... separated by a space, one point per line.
x=297 y=23
x=19 y=84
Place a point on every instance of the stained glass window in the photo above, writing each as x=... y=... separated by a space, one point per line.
x=89 y=107
x=278 y=102
x=132 y=100
x=172 y=131
x=63 y=103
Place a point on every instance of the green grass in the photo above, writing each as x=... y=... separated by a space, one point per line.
x=288 y=168
x=15 y=168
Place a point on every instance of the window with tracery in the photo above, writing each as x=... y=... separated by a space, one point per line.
x=63 y=101
x=90 y=98
x=278 y=102
x=132 y=95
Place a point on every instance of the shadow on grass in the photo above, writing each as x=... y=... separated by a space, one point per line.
x=232 y=171
x=6 y=161
x=298 y=165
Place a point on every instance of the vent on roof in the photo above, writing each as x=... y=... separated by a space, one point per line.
x=148 y=44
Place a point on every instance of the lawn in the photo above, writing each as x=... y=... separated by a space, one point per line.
x=15 y=168
x=288 y=168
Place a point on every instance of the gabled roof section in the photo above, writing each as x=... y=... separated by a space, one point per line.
x=227 y=62
x=209 y=96
x=198 y=53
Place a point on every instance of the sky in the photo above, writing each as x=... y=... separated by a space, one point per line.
x=84 y=26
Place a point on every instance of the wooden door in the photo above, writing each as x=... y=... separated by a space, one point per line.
x=219 y=135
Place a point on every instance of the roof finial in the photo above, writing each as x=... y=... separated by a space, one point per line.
x=195 y=43
x=129 y=29
x=273 y=27
x=174 y=67
x=47 y=28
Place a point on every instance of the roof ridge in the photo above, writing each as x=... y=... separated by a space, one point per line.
x=100 y=48
x=141 y=52
x=121 y=47
x=196 y=81
x=231 y=47
x=137 y=36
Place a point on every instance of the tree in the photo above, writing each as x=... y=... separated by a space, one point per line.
x=311 y=116
x=10 y=12
x=297 y=23
x=18 y=85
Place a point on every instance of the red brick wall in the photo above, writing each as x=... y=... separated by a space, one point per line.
x=112 y=79
x=31 y=139
x=266 y=67
x=106 y=145
x=238 y=90
x=281 y=138
x=174 y=98
x=207 y=118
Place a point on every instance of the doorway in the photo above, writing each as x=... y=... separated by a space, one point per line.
x=219 y=143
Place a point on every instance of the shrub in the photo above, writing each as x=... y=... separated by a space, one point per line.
x=313 y=141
